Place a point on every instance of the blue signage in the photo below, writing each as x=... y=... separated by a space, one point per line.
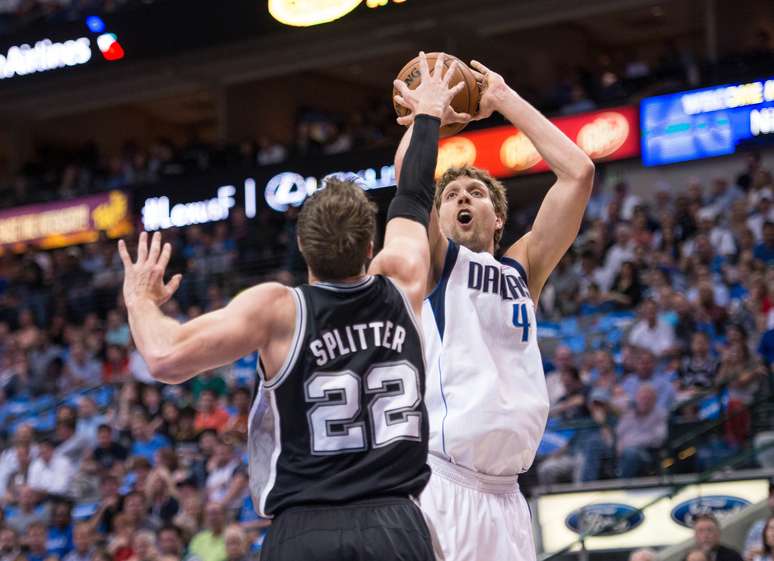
x=706 y=123
x=604 y=519
x=719 y=505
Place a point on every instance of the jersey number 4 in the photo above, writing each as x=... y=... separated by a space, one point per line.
x=392 y=414
x=521 y=319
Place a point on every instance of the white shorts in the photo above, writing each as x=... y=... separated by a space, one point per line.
x=477 y=517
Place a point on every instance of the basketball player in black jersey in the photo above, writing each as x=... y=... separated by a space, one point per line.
x=338 y=436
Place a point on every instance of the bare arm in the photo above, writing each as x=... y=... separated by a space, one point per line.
x=558 y=220
x=176 y=352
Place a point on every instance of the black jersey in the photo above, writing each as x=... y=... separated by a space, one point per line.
x=344 y=419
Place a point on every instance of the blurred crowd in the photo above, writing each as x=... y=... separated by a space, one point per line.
x=664 y=316
x=662 y=311
x=59 y=173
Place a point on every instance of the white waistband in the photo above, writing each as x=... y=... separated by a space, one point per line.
x=494 y=484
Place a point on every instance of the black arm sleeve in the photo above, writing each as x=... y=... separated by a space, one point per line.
x=414 y=199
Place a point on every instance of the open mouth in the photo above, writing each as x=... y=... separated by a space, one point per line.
x=464 y=217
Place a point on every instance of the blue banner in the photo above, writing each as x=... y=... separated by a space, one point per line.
x=706 y=123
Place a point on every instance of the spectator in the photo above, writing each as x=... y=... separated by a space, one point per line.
x=161 y=495
x=108 y=452
x=171 y=542
x=706 y=533
x=209 y=380
x=83 y=544
x=89 y=419
x=236 y=544
x=752 y=544
x=765 y=544
x=144 y=547
x=238 y=421
x=35 y=538
x=51 y=473
x=210 y=415
x=135 y=510
x=562 y=362
x=80 y=368
x=209 y=544
x=764 y=251
x=639 y=432
x=71 y=445
x=59 y=541
x=697 y=371
x=10 y=548
x=146 y=440
x=221 y=467
x=27 y=513
x=626 y=291
x=643 y=555
x=645 y=374
x=697 y=555
x=652 y=332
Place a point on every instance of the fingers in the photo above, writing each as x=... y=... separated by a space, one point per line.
x=406 y=120
x=124 y=254
x=480 y=67
x=400 y=100
x=457 y=88
x=438 y=65
x=450 y=73
x=166 y=252
x=173 y=284
x=454 y=117
x=155 y=248
x=142 y=248
x=424 y=71
x=402 y=88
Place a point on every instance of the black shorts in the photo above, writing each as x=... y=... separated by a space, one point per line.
x=376 y=529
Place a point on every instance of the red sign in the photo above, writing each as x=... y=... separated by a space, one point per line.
x=606 y=135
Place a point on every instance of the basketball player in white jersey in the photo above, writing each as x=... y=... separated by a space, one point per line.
x=486 y=393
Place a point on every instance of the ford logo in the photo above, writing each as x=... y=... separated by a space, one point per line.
x=604 y=519
x=719 y=505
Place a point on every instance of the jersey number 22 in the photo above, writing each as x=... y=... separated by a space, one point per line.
x=392 y=414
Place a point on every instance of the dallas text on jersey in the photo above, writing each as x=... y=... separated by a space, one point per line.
x=488 y=278
x=357 y=337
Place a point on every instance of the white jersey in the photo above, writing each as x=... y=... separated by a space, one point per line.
x=486 y=392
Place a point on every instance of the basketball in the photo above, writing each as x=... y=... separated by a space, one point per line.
x=464 y=102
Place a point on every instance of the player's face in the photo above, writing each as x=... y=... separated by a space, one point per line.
x=467 y=215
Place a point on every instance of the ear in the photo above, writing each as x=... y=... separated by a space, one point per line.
x=499 y=223
x=300 y=247
x=370 y=252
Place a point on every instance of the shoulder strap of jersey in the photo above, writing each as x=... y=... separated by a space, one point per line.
x=516 y=265
x=296 y=342
x=437 y=297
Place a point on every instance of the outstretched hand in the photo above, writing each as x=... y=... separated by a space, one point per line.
x=144 y=279
x=493 y=90
x=433 y=95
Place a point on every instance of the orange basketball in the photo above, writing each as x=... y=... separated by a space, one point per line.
x=466 y=101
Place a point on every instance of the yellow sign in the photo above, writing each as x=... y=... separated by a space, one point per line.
x=305 y=13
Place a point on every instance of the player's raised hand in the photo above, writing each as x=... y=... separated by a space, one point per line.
x=493 y=90
x=433 y=95
x=144 y=279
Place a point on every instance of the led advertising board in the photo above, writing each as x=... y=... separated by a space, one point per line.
x=611 y=134
x=613 y=517
x=59 y=224
x=705 y=123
